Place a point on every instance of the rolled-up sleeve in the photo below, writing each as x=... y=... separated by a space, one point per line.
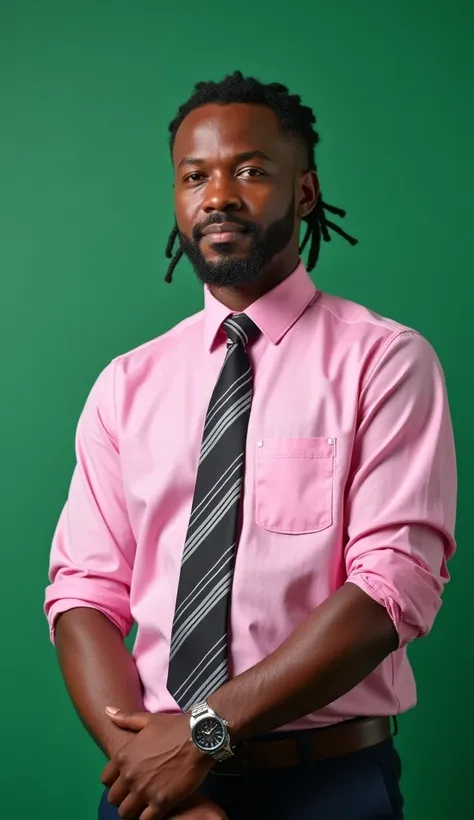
x=401 y=496
x=93 y=547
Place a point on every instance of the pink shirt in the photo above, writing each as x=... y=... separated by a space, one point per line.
x=350 y=476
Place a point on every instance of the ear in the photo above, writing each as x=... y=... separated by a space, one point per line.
x=308 y=193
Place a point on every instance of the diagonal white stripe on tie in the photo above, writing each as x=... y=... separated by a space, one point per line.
x=199 y=639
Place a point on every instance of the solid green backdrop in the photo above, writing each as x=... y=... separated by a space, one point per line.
x=87 y=91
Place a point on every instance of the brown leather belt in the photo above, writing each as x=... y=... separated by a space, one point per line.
x=332 y=741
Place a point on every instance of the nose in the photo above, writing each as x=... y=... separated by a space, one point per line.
x=221 y=194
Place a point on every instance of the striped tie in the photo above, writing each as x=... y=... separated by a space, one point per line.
x=198 y=654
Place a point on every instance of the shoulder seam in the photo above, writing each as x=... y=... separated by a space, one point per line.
x=402 y=328
x=396 y=334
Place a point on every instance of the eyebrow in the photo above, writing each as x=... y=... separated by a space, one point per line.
x=246 y=155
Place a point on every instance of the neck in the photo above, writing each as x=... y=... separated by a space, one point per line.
x=239 y=298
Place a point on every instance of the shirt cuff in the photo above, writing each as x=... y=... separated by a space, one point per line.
x=112 y=601
x=70 y=603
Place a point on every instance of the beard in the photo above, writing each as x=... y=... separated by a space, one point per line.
x=229 y=270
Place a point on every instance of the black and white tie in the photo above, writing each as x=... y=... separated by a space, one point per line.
x=198 y=653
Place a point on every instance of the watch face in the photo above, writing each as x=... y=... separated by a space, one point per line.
x=209 y=734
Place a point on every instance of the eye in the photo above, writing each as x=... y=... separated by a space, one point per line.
x=196 y=176
x=253 y=172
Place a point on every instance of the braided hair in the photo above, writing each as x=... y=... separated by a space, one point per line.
x=295 y=119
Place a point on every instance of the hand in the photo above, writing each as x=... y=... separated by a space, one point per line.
x=198 y=807
x=158 y=769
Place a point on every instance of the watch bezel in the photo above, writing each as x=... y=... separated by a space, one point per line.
x=220 y=722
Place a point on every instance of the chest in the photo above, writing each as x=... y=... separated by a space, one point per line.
x=298 y=447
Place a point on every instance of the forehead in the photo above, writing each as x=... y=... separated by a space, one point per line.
x=213 y=131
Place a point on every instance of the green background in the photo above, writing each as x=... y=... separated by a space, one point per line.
x=86 y=92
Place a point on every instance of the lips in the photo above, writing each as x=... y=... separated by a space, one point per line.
x=223 y=228
x=225 y=233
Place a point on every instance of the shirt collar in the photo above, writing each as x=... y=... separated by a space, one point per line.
x=274 y=313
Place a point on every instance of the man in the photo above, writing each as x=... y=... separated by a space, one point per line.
x=268 y=492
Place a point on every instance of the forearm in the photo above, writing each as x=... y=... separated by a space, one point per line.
x=331 y=651
x=98 y=671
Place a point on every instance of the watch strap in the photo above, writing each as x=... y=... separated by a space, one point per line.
x=223 y=754
x=199 y=710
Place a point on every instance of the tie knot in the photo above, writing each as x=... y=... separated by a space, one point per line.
x=240 y=329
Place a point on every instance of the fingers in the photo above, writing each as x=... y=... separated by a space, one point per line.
x=132 y=804
x=110 y=774
x=150 y=813
x=133 y=721
x=119 y=792
x=132 y=807
x=196 y=807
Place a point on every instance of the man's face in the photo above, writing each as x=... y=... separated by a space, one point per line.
x=237 y=193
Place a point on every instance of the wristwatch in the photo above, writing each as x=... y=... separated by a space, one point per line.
x=209 y=732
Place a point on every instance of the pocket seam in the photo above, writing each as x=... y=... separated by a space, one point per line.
x=264 y=455
x=261 y=456
x=281 y=531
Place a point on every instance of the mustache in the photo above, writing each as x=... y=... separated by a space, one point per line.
x=219 y=219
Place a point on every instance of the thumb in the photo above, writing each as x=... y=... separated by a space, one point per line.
x=133 y=721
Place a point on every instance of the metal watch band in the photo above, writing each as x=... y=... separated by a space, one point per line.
x=224 y=754
x=203 y=708
x=199 y=708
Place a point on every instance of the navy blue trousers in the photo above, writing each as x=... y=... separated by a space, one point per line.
x=360 y=786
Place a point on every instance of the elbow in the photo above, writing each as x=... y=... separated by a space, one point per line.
x=411 y=603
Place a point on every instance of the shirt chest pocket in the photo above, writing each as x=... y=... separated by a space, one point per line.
x=294 y=484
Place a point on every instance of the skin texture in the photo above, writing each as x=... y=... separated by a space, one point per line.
x=98 y=670
x=255 y=188
x=349 y=634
